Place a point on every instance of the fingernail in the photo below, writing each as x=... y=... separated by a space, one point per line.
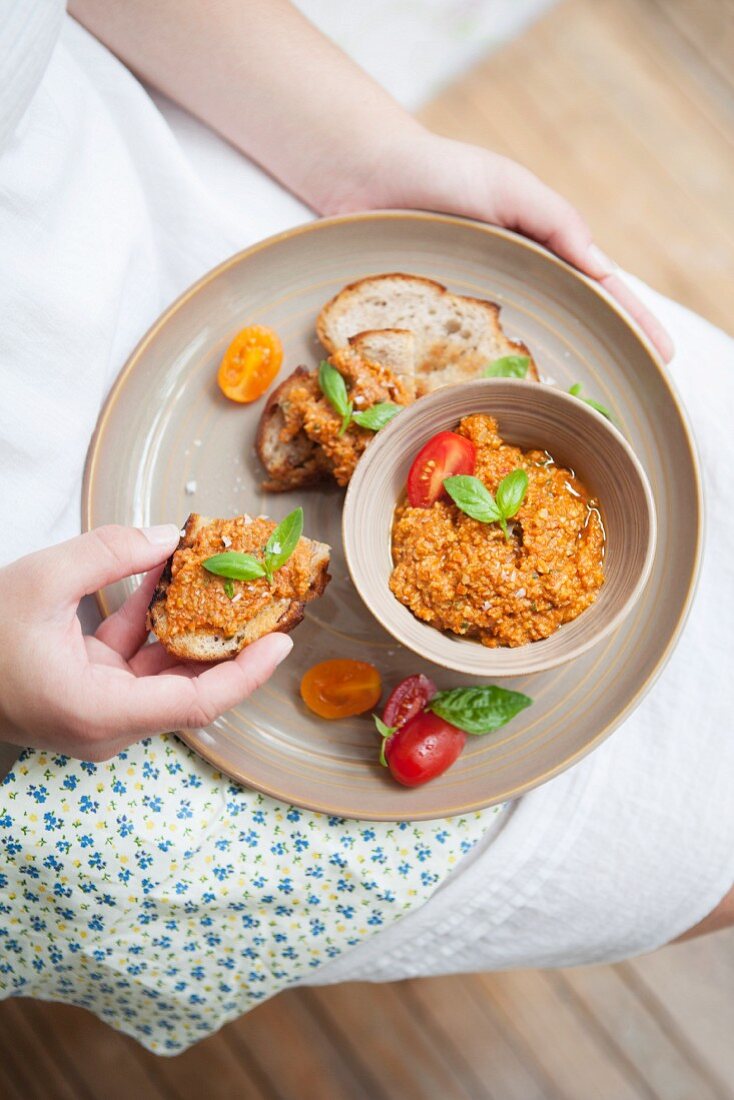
x=598 y=261
x=280 y=647
x=163 y=534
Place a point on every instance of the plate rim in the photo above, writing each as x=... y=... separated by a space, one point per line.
x=189 y=737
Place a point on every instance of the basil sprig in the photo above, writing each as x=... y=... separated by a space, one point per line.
x=334 y=389
x=474 y=498
x=385 y=733
x=246 y=567
x=478 y=710
x=509 y=366
x=575 y=391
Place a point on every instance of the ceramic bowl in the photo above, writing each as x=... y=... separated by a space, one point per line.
x=532 y=416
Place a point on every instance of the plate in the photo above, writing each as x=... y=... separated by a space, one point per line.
x=167 y=443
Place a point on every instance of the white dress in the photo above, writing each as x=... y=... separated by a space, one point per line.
x=106 y=900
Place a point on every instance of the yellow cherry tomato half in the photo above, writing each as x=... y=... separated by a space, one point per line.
x=250 y=363
x=341 y=688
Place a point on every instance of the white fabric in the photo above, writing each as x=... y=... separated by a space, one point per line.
x=413 y=47
x=103 y=220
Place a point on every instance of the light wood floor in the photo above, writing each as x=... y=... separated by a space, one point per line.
x=627 y=106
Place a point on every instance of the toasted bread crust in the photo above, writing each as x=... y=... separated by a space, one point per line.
x=341 y=303
x=288 y=466
x=200 y=646
x=322 y=319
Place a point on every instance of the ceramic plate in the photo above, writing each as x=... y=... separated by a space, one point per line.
x=168 y=443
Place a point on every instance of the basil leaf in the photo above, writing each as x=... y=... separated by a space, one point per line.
x=599 y=408
x=334 y=388
x=473 y=497
x=575 y=391
x=478 y=710
x=239 y=567
x=511 y=493
x=283 y=541
x=509 y=366
x=385 y=733
x=229 y=590
x=377 y=416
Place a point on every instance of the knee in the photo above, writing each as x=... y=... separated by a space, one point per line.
x=720 y=917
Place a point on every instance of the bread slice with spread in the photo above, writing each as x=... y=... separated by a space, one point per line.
x=393 y=338
x=199 y=616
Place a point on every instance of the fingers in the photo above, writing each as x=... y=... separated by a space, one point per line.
x=647 y=321
x=152 y=659
x=526 y=204
x=523 y=202
x=125 y=631
x=182 y=697
x=80 y=566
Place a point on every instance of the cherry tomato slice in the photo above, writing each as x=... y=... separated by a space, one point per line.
x=422 y=749
x=407 y=699
x=250 y=363
x=443 y=456
x=341 y=688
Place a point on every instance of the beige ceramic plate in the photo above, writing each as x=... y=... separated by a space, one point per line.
x=166 y=427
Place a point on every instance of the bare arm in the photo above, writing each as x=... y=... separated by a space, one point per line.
x=261 y=75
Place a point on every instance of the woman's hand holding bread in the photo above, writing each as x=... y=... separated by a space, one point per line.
x=90 y=696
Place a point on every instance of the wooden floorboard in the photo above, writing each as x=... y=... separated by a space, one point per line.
x=591 y=101
x=627 y=107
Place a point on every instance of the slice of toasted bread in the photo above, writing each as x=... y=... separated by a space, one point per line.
x=279 y=614
x=455 y=337
x=292 y=460
x=393 y=348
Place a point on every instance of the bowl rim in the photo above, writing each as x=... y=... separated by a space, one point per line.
x=528 y=389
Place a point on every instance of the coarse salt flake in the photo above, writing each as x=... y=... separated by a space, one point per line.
x=190 y=487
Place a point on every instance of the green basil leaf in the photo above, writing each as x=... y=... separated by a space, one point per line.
x=599 y=408
x=385 y=733
x=509 y=366
x=473 y=497
x=511 y=493
x=239 y=567
x=229 y=589
x=334 y=388
x=478 y=710
x=377 y=416
x=283 y=541
x=575 y=391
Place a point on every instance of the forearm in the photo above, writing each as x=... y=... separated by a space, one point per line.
x=267 y=80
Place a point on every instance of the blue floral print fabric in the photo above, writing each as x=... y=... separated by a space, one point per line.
x=168 y=900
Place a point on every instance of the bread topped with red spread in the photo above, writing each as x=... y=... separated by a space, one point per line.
x=199 y=616
x=393 y=338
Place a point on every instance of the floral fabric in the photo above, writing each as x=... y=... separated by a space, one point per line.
x=169 y=900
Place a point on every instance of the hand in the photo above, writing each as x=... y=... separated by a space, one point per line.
x=428 y=172
x=89 y=697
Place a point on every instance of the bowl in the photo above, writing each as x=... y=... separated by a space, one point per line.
x=530 y=415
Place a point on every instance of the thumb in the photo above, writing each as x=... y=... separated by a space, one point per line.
x=107 y=554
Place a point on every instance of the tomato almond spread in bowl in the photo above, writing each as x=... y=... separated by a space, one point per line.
x=470 y=578
x=499 y=527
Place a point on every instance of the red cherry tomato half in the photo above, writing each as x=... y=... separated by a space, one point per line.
x=422 y=749
x=443 y=456
x=407 y=699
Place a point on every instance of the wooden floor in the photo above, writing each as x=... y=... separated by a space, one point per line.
x=627 y=107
